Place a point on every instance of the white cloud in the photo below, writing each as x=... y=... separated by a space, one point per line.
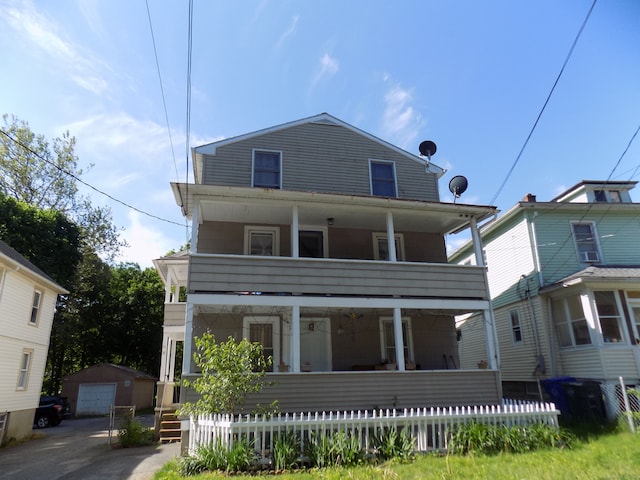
x=328 y=67
x=44 y=33
x=401 y=123
x=289 y=31
x=146 y=243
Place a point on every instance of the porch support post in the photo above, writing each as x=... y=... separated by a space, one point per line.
x=195 y=224
x=397 y=330
x=167 y=287
x=295 y=253
x=188 y=338
x=489 y=320
x=172 y=359
x=391 y=238
x=164 y=359
x=295 y=338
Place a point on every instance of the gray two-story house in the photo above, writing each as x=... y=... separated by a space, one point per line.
x=326 y=245
x=564 y=277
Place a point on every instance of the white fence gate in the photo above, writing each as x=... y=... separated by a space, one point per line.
x=430 y=427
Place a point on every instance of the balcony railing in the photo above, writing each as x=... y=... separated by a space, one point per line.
x=311 y=276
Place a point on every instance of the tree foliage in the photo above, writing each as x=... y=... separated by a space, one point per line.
x=45 y=175
x=229 y=372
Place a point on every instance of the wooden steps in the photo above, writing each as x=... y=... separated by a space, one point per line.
x=170 y=428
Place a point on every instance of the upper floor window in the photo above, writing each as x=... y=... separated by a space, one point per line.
x=570 y=322
x=381 y=246
x=35 y=307
x=261 y=241
x=267 y=169
x=586 y=242
x=23 y=372
x=612 y=196
x=516 y=328
x=383 y=178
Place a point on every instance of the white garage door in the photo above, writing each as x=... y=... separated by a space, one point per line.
x=95 y=398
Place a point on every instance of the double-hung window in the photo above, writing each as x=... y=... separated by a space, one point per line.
x=267 y=169
x=570 y=322
x=383 y=178
x=266 y=332
x=381 y=246
x=516 y=327
x=23 y=372
x=586 y=242
x=261 y=241
x=388 y=340
x=609 y=316
x=35 y=307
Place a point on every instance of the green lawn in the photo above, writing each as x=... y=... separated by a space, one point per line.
x=593 y=456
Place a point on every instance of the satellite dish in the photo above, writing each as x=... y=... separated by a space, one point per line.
x=427 y=148
x=458 y=185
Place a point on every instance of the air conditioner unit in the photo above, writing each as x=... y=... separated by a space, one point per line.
x=590 y=256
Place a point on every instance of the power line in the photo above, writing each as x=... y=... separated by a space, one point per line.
x=164 y=103
x=535 y=124
x=78 y=179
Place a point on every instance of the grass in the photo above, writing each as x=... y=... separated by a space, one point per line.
x=595 y=455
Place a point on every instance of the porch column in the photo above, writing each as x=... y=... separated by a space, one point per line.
x=188 y=338
x=397 y=330
x=167 y=287
x=295 y=338
x=391 y=238
x=489 y=319
x=295 y=247
x=195 y=224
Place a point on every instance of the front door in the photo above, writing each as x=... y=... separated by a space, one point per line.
x=315 y=345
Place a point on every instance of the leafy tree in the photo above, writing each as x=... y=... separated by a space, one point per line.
x=230 y=371
x=45 y=175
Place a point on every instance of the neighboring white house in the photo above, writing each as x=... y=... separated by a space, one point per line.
x=326 y=244
x=27 y=303
x=564 y=277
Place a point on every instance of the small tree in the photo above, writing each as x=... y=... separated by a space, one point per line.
x=230 y=371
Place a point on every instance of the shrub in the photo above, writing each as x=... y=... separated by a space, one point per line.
x=131 y=433
x=240 y=457
x=285 y=450
x=387 y=443
x=338 y=449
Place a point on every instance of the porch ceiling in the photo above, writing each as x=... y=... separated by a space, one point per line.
x=250 y=205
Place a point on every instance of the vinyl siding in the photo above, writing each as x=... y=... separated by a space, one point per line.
x=472 y=347
x=320 y=158
x=581 y=363
x=367 y=390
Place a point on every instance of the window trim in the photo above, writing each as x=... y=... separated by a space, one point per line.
x=253 y=168
x=596 y=244
x=371 y=180
x=22 y=382
x=275 y=334
x=36 y=308
x=398 y=237
x=325 y=237
x=517 y=327
x=250 y=229
x=619 y=318
x=409 y=338
x=568 y=322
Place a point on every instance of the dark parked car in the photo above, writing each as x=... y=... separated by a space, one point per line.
x=50 y=412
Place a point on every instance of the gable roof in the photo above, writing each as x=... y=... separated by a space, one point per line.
x=323 y=118
x=13 y=257
x=128 y=370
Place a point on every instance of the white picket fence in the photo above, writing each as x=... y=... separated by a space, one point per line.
x=430 y=427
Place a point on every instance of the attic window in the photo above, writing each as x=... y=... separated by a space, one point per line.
x=383 y=178
x=267 y=169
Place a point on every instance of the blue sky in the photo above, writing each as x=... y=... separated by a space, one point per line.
x=470 y=75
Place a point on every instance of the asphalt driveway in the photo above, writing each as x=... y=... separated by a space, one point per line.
x=78 y=449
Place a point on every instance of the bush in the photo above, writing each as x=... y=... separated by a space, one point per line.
x=491 y=439
x=387 y=443
x=338 y=449
x=285 y=450
x=131 y=433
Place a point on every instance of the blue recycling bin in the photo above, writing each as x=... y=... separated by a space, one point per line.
x=554 y=388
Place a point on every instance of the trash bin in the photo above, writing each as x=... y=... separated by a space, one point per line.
x=585 y=400
x=554 y=388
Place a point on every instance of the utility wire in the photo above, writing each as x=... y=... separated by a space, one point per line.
x=78 y=179
x=164 y=103
x=584 y=23
x=189 y=52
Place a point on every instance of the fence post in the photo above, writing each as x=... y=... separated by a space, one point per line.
x=627 y=407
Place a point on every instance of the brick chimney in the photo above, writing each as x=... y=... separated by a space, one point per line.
x=530 y=198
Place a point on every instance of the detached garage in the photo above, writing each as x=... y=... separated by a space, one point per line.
x=93 y=390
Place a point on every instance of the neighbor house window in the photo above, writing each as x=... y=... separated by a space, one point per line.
x=381 y=246
x=586 y=242
x=25 y=366
x=35 y=307
x=388 y=340
x=267 y=169
x=609 y=316
x=261 y=240
x=516 y=328
x=266 y=332
x=383 y=178
x=570 y=322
